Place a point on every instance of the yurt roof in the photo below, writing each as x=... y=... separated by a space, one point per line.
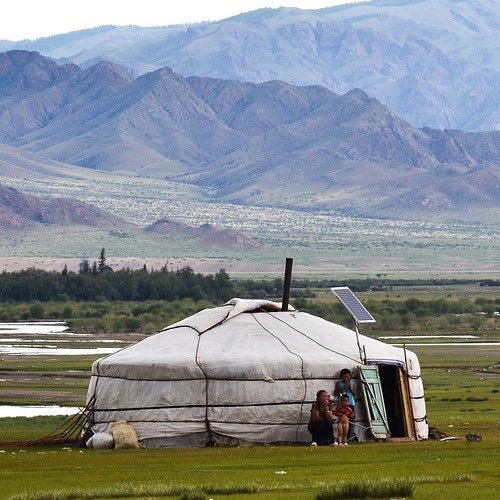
x=247 y=340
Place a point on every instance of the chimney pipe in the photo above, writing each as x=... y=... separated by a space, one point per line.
x=286 y=284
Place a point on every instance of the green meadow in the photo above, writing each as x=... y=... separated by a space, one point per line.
x=436 y=469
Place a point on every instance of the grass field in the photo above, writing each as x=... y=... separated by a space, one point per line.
x=439 y=470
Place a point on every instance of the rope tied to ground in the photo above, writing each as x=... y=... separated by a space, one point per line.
x=68 y=433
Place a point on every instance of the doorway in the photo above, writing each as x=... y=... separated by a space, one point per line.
x=397 y=401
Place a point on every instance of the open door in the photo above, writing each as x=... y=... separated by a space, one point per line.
x=374 y=399
x=397 y=402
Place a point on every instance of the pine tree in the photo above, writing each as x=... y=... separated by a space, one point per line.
x=84 y=266
x=102 y=261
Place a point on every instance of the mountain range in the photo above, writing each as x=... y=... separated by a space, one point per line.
x=435 y=63
x=271 y=144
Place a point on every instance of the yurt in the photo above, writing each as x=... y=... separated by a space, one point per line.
x=247 y=372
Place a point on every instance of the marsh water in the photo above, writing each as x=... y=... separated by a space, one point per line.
x=42 y=338
x=48 y=337
x=36 y=411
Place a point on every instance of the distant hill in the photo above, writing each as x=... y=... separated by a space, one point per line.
x=207 y=234
x=20 y=211
x=15 y=162
x=270 y=144
x=434 y=62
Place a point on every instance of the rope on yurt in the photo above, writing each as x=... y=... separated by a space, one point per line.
x=67 y=433
x=301 y=370
x=407 y=370
x=318 y=343
x=207 y=421
x=315 y=341
x=98 y=373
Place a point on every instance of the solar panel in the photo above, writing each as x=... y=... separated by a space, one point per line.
x=353 y=305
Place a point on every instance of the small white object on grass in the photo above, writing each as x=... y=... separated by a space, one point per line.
x=280 y=472
x=101 y=441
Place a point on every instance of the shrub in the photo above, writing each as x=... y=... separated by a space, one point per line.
x=36 y=310
x=67 y=312
x=369 y=489
x=132 y=324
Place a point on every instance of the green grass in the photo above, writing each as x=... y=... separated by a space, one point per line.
x=24 y=428
x=45 y=379
x=387 y=488
x=460 y=395
x=438 y=470
x=47 y=363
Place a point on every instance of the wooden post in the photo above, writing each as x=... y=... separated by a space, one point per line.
x=286 y=284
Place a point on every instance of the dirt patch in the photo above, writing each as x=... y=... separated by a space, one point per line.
x=38 y=396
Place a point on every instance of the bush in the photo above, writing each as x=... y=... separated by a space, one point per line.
x=67 y=312
x=369 y=489
x=37 y=310
x=132 y=324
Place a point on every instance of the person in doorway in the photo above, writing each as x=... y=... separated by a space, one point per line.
x=346 y=386
x=321 y=421
x=345 y=413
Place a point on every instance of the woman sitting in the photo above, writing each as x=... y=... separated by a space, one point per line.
x=320 y=423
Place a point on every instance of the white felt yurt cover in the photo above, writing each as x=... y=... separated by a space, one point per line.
x=245 y=372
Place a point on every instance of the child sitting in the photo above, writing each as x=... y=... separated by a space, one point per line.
x=345 y=413
x=346 y=386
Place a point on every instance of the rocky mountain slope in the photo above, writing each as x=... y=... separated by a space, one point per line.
x=434 y=62
x=21 y=211
x=265 y=144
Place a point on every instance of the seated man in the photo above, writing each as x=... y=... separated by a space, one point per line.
x=320 y=422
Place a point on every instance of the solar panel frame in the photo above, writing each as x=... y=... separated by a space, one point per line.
x=353 y=305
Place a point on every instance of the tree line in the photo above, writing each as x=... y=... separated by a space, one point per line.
x=108 y=285
x=97 y=281
x=98 y=299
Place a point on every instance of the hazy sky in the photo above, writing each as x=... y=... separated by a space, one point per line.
x=20 y=19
